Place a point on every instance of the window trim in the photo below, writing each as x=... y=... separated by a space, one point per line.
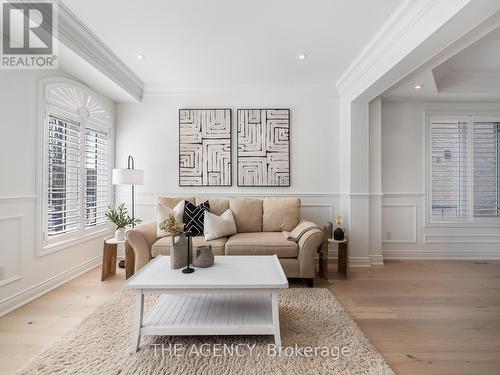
x=470 y=221
x=46 y=108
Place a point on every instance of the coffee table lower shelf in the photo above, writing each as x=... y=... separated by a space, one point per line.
x=210 y=314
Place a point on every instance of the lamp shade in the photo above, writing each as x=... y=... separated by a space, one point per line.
x=128 y=177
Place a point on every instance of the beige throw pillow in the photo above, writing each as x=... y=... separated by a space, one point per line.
x=247 y=213
x=217 y=205
x=162 y=214
x=280 y=214
x=218 y=226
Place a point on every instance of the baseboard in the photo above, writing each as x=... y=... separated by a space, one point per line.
x=356 y=261
x=443 y=255
x=377 y=260
x=359 y=262
x=26 y=296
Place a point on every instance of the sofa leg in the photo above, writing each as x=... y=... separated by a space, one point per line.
x=310 y=282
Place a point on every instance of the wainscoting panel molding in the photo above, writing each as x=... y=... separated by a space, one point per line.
x=395 y=213
x=442 y=254
x=11 y=248
x=485 y=238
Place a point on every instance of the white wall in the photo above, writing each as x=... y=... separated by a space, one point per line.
x=403 y=187
x=149 y=132
x=26 y=274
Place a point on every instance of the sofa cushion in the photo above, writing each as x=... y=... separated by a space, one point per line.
x=162 y=246
x=261 y=243
x=171 y=202
x=280 y=214
x=217 y=205
x=247 y=214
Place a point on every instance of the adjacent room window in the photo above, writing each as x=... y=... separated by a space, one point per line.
x=464 y=168
x=76 y=156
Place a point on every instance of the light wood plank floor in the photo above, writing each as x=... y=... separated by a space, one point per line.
x=425 y=317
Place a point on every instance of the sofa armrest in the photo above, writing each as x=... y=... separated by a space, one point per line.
x=140 y=239
x=309 y=243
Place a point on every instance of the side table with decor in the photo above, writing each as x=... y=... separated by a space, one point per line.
x=343 y=252
x=117 y=215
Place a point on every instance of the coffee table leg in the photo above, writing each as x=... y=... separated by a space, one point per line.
x=139 y=310
x=276 y=320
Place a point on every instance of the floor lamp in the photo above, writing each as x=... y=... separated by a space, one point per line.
x=128 y=176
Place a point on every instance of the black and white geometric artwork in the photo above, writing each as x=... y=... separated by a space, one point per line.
x=205 y=147
x=263 y=147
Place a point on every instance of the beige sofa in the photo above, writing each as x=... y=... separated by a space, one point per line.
x=259 y=223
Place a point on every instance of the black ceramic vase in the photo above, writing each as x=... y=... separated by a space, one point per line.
x=338 y=234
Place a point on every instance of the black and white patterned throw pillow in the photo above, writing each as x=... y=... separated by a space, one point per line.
x=193 y=217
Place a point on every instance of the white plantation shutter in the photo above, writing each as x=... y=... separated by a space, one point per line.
x=450 y=171
x=63 y=176
x=77 y=148
x=486 y=146
x=97 y=176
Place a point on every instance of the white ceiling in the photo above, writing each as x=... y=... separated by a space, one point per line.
x=475 y=69
x=228 y=43
x=471 y=74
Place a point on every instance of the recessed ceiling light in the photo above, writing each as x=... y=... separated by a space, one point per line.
x=302 y=56
x=418 y=87
x=140 y=57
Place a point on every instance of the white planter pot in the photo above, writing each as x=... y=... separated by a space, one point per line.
x=120 y=234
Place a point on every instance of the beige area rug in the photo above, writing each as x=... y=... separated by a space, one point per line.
x=309 y=318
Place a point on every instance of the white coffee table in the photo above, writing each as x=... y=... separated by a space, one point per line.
x=238 y=295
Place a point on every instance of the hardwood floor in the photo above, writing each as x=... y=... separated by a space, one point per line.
x=425 y=317
x=34 y=327
x=429 y=317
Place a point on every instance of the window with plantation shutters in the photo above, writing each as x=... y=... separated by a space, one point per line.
x=464 y=169
x=486 y=153
x=76 y=182
x=449 y=146
x=63 y=176
x=97 y=179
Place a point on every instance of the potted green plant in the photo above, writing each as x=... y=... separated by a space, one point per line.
x=120 y=218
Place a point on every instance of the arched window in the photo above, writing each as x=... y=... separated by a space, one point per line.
x=76 y=155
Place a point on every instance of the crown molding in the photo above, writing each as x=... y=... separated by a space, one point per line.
x=73 y=33
x=155 y=92
x=399 y=23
